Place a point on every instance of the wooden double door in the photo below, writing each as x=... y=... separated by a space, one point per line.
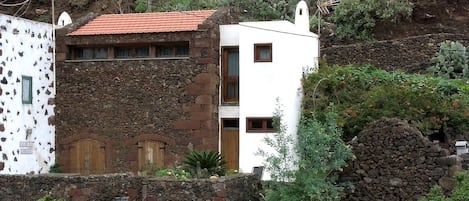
x=88 y=156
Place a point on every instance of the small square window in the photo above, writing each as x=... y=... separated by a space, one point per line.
x=26 y=89
x=263 y=52
x=259 y=125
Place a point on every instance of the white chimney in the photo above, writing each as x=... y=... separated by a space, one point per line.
x=64 y=20
x=302 y=16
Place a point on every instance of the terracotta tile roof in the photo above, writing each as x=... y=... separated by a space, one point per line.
x=144 y=23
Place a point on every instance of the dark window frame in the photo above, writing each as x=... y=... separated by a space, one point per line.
x=266 y=125
x=257 y=52
x=177 y=50
x=227 y=80
x=29 y=99
x=94 y=51
x=133 y=51
x=173 y=47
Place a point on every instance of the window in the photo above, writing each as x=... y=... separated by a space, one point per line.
x=230 y=73
x=172 y=50
x=26 y=89
x=131 y=52
x=90 y=53
x=263 y=52
x=259 y=125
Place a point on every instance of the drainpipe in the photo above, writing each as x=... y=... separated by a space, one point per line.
x=53 y=48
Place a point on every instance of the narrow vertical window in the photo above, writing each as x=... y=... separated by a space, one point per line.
x=27 y=91
x=230 y=71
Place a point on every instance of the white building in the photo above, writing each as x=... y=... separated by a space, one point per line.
x=262 y=62
x=27 y=142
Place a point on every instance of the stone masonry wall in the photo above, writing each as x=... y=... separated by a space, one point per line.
x=109 y=187
x=395 y=162
x=122 y=102
x=411 y=54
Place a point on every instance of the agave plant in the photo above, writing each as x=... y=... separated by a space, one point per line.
x=204 y=163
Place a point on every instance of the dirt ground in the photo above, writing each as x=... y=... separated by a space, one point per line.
x=429 y=16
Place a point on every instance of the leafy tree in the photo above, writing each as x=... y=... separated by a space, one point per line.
x=357 y=18
x=451 y=61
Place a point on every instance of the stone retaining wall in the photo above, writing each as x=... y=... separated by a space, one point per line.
x=109 y=187
x=395 y=162
x=411 y=54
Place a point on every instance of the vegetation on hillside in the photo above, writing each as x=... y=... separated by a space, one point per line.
x=364 y=94
x=459 y=193
x=356 y=19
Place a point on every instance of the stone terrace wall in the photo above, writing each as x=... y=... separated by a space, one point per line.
x=394 y=162
x=108 y=187
x=411 y=54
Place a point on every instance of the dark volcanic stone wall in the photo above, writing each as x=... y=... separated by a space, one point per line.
x=411 y=54
x=122 y=102
x=394 y=162
x=110 y=187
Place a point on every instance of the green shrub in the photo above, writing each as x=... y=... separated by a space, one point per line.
x=451 y=61
x=459 y=193
x=55 y=168
x=364 y=94
x=320 y=155
x=48 y=197
x=177 y=173
x=204 y=163
x=357 y=18
x=140 y=6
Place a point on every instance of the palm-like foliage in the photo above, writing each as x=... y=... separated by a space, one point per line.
x=204 y=163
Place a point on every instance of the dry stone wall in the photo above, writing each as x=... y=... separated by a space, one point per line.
x=394 y=162
x=411 y=54
x=128 y=187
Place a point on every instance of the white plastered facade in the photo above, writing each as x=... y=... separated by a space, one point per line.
x=266 y=86
x=27 y=139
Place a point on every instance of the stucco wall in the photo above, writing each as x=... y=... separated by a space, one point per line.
x=267 y=86
x=26 y=130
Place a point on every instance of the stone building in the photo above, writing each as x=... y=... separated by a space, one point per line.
x=140 y=88
x=137 y=89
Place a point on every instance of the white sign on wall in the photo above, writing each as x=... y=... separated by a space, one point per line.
x=26 y=147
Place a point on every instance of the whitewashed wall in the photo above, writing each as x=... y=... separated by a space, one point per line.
x=262 y=83
x=27 y=141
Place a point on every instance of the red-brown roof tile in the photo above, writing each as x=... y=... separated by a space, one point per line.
x=144 y=23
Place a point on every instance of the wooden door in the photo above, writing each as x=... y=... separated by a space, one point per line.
x=230 y=143
x=150 y=153
x=87 y=157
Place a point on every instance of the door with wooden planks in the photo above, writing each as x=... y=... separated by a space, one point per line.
x=87 y=157
x=230 y=143
x=150 y=153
